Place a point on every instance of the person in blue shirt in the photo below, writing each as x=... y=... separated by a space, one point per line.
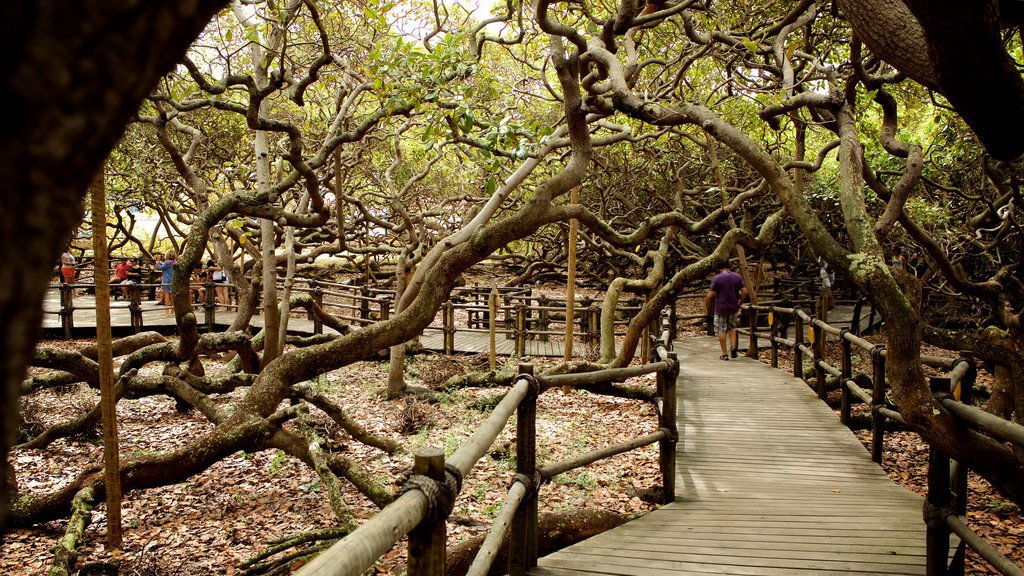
x=166 y=268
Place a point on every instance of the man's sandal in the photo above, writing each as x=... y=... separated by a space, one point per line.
x=723 y=357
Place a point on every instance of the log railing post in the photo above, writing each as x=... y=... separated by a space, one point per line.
x=964 y=393
x=427 y=541
x=449 y=327
x=318 y=299
x=492 y=326
x=774 y=327
x=135 y=307
x=584 y=320
x=67 y=309
x=877 y=401
x=385 y=308
x=364 y=304
x=543 y=317
x=752 y=346
x=858 y=307
x=710 y=318
x=798 y=339
x=508 y=319
x=845 y=373
x=520 y=330
x=595 y=324
x=937 y=502
x=210 y=306
x=818 y=356
x=673 y=320
x=522 y=549
x=667 y=422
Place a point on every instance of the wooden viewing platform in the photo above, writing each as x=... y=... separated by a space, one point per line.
x=768 y=483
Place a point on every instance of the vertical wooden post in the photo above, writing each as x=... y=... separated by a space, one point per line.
x=858 y=307
x=492 y=326
x=543 y=317
x=818 y=355
x=364 y=304
x=754 y=315
x=673 y=320
x=964 y=393
x=570 y=287
x=135 y=307
x=385 y=308
x=667 y=447
x=105 y=357
x=520 y=330
x=427 y=541
x=67 y=309
x=798 y=339
x=710 y=318
x=318 y=299
x=938 y=502
x=595 y=325
x=449 y=328
x=877 y=401
x=645 y=343
x=845 y=374
x=210 y=305
x=522 y=547
x=773 y=323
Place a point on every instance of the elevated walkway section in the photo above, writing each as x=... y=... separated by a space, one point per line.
x=768 y=483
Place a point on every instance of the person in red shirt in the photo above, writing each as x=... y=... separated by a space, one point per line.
x=120 y=276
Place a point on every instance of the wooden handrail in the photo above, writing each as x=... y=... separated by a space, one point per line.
x=958 y=379
x=359 y=550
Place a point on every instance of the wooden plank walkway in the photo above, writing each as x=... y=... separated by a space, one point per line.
x=768 y=483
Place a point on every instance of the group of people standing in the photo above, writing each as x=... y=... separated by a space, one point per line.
x=212 y=273
x=130 y=272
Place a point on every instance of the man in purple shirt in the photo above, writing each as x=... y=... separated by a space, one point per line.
x=727 y=292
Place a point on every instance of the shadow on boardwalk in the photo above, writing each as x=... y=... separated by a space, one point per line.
x=768 y=483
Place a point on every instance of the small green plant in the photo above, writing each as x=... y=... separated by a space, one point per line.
x=582 y=478
x=277 y=460
x=322 y=384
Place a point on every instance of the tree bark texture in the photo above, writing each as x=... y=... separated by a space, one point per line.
x=77 y=70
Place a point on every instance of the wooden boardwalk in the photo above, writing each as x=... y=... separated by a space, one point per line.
x=768 y=483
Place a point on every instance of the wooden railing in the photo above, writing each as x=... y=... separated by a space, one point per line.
x=946 y=501
x=426 y=500
x=517 y=314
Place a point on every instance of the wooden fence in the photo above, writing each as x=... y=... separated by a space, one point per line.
x=946 y=503
x=517 y=313
x=426 y=500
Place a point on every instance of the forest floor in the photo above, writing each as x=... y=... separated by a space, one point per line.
x=224 y=516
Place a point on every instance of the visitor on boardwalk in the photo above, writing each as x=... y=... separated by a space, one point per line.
x=133 y=275
x=215 y=274
x=166 y=267
x=827 y=280
x=120 y=277
x=67 y=267
x=727 y=293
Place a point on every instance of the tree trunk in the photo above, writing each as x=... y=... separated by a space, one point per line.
x=104 y=353
x=67 y=123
